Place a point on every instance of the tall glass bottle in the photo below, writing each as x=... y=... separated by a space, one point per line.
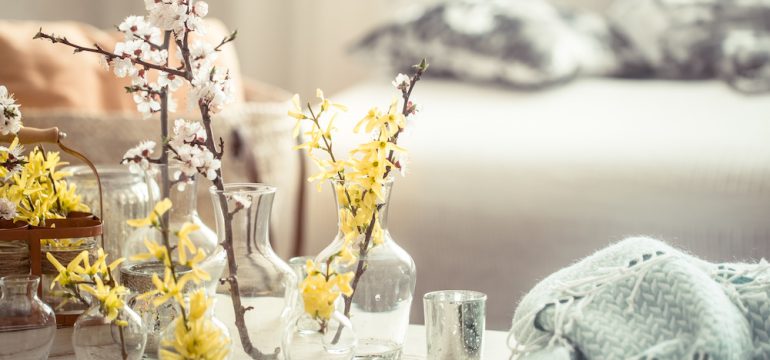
x=379 y=307
x=27 y=325
x=263 y=278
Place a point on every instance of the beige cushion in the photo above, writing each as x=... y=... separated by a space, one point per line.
x=49 y=76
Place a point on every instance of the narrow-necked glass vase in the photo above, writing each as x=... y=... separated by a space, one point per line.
x=379 y=307
x=27 y=325
x=243 y=212
x=137 y=275
x=97 y=337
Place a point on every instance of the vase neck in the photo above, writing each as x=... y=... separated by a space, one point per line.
x=19 y=287
x=163 y=181
x=248 y=209
x=185 y=202
x=345 y=196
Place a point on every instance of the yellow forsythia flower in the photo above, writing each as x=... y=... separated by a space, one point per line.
x=320 y=291
x=199 y=338
x=110 y=298
x=153 y=219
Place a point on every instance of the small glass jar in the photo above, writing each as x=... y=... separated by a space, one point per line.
x=94 y=337
x=138 y=278
x=64 y=250
x=27 y=325
x=307 y=338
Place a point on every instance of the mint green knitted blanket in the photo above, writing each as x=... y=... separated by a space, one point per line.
x=643 y=299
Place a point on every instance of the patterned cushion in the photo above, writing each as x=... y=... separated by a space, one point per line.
x=527 y=44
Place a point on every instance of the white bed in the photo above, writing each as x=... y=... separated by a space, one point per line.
x=506 y=187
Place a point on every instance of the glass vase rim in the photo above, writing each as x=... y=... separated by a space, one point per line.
x=244 y=187
x=104 y=170
x=388 y=180
x=19 y=279
x=455 y=296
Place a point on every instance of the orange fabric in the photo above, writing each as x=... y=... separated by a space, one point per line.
x=42 y=75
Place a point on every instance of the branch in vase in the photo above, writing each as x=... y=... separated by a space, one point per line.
x=364 y=249
x=235 y=293
x=110 y=56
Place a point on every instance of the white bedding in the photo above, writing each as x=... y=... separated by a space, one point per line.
x=506 y=187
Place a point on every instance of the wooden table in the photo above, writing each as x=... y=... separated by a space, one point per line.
x=494 y=344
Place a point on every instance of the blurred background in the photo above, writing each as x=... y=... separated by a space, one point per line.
x=547 y=130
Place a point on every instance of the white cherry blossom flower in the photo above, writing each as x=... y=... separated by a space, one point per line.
x=172 y=81
x=7 y=209
x=201 y=8
x=123 y=67
x=242 y=200
x=195 y=23
x=202 y=55
x=402 y=82
x=9 y=125
x=210 y=165
x=188 y=131
x=146 y=104
x=212 y=88
x=138 y=157
x=169 y=16
x=136 y=27
x=182 y=180
x=186 y=155
x=154 y=56
x=150 y=4
x=10 y=115
x=131 y=48
x=5 y=97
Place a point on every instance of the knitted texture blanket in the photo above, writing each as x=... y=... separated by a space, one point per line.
x=643 y=299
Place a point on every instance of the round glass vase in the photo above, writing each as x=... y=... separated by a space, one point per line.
x=307 y=338
x=27 y=325
x=174 y=346
x=383 y=287
x=94 y=337
x=243 y=212
x=137 y=275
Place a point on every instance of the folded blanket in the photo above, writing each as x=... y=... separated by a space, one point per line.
x=643 y=299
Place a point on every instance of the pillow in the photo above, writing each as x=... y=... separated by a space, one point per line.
x=699 y=39
x=49 y=76
x=523 y=43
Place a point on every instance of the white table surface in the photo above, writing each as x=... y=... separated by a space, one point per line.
x=494 y=344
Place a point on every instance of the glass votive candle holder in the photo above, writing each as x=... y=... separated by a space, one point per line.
x=455 y=324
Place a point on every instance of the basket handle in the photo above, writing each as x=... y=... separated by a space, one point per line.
x=31 y=135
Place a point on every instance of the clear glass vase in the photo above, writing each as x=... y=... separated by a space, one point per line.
x=263 y=278
x=379 y=307
x=125 y=197
x=94 y=337
x=137 y=275
x=27 y=325
x=305 y=338
x=174 y=345
x=64 y=250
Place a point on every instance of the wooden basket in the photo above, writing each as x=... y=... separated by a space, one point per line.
x=76 y=225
